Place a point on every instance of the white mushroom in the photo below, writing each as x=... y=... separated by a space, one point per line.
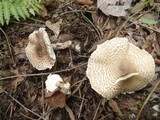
x=117 y=66
x=39 y=50
x=55 y=82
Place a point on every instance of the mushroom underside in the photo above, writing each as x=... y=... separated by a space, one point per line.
x=116 y=69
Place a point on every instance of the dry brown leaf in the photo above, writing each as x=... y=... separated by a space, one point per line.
x=44 y=12
x=16 y=82
x=55 y=27
x=95 y=17
x=57 y=100
x=5 y=73
x=115 y=107
x=47 y=2
x=110 y=8
x=1 y=90
x=112 y=25
x=157 y=61
x=85 y=2
x=19 y=50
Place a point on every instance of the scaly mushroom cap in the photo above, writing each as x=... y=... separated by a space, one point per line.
x=39 y=50
x=118 y=66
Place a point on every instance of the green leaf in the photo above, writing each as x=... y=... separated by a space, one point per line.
x=18 y=9
x=1 y=14
x=20 y=13
x=150 y=2
x=35 y=8
x=25 y=11
x=147 y=21
x=39 y=6
x=18 y=2
x=31 y=10
x=14 y=12
x=6 y=11
x=138 y=7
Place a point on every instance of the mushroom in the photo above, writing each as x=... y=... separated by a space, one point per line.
x=39 y=50
x=55 y=82
x=117 y=66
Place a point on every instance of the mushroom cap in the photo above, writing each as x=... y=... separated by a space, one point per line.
x=118 y=66
x=52 y=82
x=39 y=50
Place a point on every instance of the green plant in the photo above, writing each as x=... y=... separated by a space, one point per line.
x=18 y=9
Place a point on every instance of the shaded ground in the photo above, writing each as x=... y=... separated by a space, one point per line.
x=80 y=24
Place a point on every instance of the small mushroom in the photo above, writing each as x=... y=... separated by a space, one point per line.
x=55 y=82
x=39 y=50
x=117 y=66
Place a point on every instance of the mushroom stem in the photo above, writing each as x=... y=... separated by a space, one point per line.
x=59 y=46
x=68 y=44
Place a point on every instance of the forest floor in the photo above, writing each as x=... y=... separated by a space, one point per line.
x=22 y=87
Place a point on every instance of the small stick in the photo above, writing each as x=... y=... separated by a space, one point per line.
x=70 y=112
x=92 y=24
x=43 y=110
x=23 y=105
x=39 y=74
x=145 y=102
x=11 y=112
x=10 y=51
x=75 y=11
x=79 y=82
x=78 y=87
x=47 y=112
x=124 y=23
x=29 y=118
x=80 y=109
x=95 y=115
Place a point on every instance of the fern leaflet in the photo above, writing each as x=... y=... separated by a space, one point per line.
x=18 y=9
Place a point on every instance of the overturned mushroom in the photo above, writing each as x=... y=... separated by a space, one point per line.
x=39 y=50
x=117 y=66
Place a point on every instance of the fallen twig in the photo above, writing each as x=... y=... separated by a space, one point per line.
x=9 y=47
x=70 y=112
x=145 y=102
x=81 y=106
x=23 y=105
x=78 y=87
x=39 y=74
x=95 y=114
x=75 y=11
x=92 y=24
x=28 y=118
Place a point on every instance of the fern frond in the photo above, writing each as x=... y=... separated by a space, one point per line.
x=14 y=12
x=20 y=13
x=39 y=6
x=1 y=14
x=18 y=9
x=17 y=2
x=35 y=8
x=6 y=11
x=25 y=11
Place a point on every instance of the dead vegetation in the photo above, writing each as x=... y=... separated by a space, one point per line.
x=22 y=87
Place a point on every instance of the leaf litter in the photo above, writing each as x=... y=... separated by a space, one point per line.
x=29 y=90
